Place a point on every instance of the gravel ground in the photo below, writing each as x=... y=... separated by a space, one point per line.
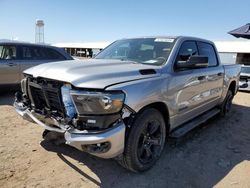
x=216 y=154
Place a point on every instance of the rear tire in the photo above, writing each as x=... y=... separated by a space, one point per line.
x=227 y=103
x=145 y=141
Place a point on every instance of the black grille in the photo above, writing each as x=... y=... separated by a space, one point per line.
x=46 y=95
x=53 y=99
x=38 y=97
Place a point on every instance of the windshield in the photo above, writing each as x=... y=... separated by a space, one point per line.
x=245 y=70
x=154 y=51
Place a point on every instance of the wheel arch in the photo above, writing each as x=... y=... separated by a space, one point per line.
x=163 y=109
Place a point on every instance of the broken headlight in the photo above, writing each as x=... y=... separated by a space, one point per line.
x=88 y=102
x=67 y=101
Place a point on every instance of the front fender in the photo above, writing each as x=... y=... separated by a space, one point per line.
x=141 y=93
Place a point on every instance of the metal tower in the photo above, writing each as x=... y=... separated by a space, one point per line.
x=39 y=35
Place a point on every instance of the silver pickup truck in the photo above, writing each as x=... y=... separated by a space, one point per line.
x=126 y=101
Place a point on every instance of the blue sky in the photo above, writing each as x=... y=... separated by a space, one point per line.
x=108 y=20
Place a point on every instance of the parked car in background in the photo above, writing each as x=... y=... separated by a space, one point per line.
x=15 y=57
x=244 y=83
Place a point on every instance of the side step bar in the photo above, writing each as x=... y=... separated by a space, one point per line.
x=183 y=129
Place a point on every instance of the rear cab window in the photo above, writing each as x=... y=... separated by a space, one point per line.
x=208 y=50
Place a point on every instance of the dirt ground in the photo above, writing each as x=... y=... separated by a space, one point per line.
x=217 y=154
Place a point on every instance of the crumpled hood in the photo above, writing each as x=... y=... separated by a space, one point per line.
x=93 y=73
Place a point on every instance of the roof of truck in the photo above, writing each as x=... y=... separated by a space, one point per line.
x=172 y=37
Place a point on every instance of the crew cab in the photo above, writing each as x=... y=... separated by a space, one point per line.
x=125 y=102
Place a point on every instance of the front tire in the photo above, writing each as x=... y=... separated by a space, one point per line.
x=145 y=141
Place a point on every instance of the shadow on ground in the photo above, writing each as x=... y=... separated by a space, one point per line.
x=7 y=95
x=202 y=158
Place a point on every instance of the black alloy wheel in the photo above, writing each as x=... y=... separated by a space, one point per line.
x=150 y=141
x=145 y=141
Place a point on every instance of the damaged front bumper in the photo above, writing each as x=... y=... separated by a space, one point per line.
x=108 y=143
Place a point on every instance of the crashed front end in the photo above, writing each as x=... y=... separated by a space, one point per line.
x=90 y=120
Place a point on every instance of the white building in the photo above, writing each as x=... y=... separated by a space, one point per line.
x=234 y=51
x=87 y=49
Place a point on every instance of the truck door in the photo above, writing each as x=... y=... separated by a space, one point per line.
x=9 y=65
x=196 y=90
x=214 y=74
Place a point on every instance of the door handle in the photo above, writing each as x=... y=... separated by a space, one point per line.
x=201 y=77
x=220 y=74
x=12 y=64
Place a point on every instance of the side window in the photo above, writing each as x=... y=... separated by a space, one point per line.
x=31 y=53
x=26 y=53
x=188 y=48
x=53 y=54
x=208 y=50
x=8 y=52
x=40 y=53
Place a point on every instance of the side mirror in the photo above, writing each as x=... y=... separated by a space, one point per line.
x=194 y=62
